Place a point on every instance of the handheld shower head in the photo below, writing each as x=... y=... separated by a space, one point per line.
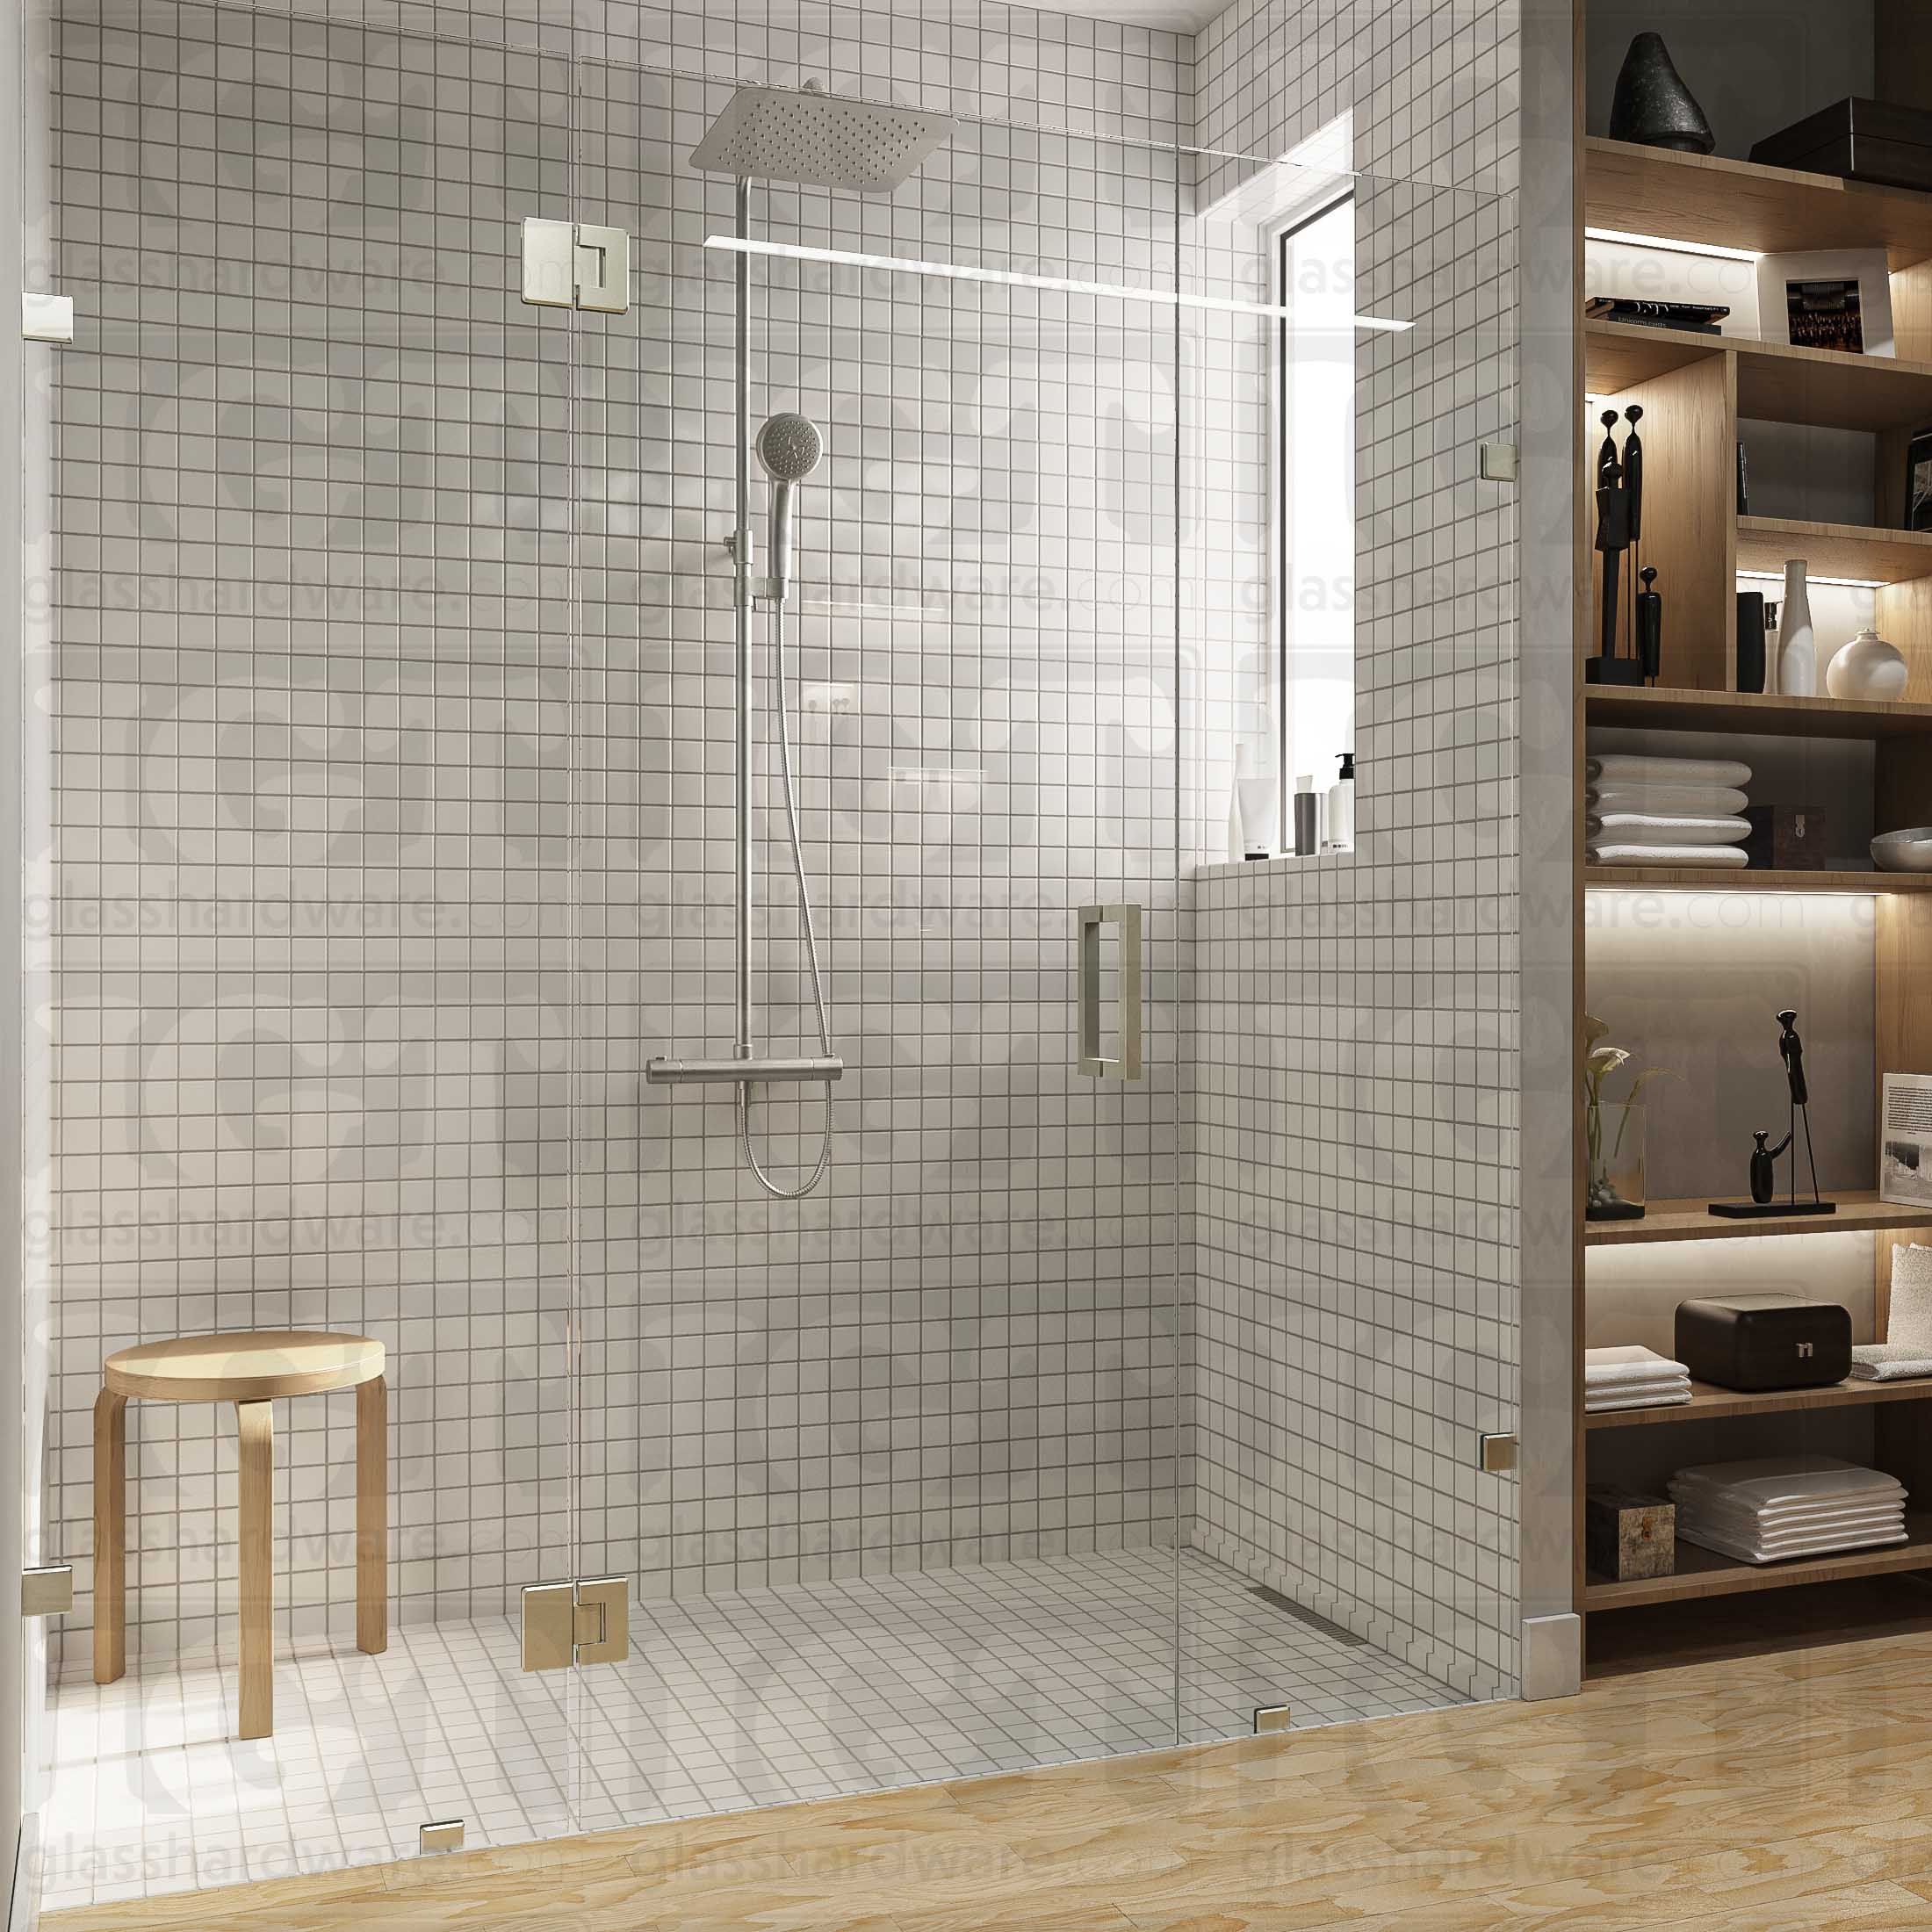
x=790 y=447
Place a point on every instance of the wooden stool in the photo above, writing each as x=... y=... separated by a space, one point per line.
x=250 y=1371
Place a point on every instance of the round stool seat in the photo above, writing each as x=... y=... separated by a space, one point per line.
x=243 y=1367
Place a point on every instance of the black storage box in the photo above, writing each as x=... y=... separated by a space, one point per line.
x=1761 y=1342
x=1862 y=140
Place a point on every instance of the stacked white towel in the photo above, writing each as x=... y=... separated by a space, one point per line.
x=1890 y=1361
x=1685 y=812
x=1631 y=1377
x=1775 y=1507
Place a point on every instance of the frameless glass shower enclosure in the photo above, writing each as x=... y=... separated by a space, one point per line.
x=638 y=851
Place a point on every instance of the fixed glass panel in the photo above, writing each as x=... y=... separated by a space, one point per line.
x=312 y=611
x=1351 y=1312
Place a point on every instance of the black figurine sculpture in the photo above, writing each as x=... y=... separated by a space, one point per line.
x=1619 y=523
x=1652 y=105
x=1764 y=1160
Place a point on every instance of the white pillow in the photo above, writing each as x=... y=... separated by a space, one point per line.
x=1910 y=1319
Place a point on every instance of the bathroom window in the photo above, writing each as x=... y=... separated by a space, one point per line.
x=1314 y=465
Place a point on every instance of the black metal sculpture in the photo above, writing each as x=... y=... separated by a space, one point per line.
x=1764 y=1159
x=1619 y=536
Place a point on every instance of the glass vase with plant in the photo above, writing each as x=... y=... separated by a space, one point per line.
x=1613 y=1130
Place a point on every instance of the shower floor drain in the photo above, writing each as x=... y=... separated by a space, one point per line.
x=1288 y=1607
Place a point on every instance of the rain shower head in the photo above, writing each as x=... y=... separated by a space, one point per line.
x=789 y=446
x=818 y=140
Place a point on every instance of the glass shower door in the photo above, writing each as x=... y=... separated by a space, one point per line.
x=893 y=1464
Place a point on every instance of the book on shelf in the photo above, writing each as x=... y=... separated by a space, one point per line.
x=1694 y=318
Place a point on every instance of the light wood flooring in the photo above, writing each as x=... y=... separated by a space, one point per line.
x=1791 y=1791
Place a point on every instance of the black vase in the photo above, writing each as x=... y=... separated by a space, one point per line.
x=1750 y=640
x=1652 y=106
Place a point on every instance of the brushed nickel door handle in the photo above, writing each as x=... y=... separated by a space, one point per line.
x=1127 y=918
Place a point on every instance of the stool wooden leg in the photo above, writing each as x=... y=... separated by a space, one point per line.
x=256 y=1423
x=372 y=1515
x=110 y=1535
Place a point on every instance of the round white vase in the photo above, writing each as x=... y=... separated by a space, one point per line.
x=1868 y=668
x=1797 y=649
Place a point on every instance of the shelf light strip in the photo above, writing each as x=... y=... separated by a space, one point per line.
x=1841 y=583
x=1669 y=246
x=957 y=272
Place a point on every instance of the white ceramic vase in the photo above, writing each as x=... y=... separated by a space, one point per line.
x=1797 y=649
x=1869 y=668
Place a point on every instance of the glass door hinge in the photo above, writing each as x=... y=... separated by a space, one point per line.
x=47 y=1591
x=1498 y=1454
x=585 y=1622
x=576 y=264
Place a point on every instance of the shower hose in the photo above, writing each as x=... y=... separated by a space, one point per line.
x=817 y=1173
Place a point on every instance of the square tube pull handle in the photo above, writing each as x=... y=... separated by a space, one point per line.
x=1092 y=920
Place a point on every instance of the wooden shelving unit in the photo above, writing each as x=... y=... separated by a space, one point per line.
x=1709 y=1404
x=1696 y=390
x=1752 y=713
x=1684 y=878
x=1693 y=1221
x=1707 y=1573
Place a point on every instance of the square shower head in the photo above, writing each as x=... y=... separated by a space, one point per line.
x=818 y=141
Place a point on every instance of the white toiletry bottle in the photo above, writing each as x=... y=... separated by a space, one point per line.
x=1255 y=795
x=1341 y=811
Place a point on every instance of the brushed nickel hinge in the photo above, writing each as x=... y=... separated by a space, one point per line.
x=585 y=1622
x=576 y=264
x=1272 y=1717
x=47 y=1591
x=445 y=1835
x=1498 y=1454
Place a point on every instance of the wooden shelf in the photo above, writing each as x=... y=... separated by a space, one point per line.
x=1858 y=1212
x=1776 y=383
x=1709 y=1403
x=1681 y=878
x=1751 y=712
x=1739 y=204
x=1834 y=550
x=1618 y=356
x=1709 y=1573
x=1830 y=390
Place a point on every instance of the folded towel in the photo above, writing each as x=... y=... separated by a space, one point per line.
x=1812 y=1523
x=1712 y=800
x=1910 y=1319
x=1627 y=1398
x=1761 y=1482
x=1631 y=1364
x=1653 y=1385
x=1661 y=828
x=1890 y=1361
x=1707 y=855
x=1629 y=768
x=1748 y=1550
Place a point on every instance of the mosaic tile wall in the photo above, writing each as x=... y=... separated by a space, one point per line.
x=395 y=807
x=1353 y=1062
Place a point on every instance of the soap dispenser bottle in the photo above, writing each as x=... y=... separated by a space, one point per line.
x=1341 y=807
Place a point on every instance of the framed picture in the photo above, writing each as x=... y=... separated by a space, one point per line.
x=1834 y=299
x=1918 y=481
x=1905 y=1140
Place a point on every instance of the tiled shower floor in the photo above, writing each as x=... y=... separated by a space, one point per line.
x=811 y=1690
